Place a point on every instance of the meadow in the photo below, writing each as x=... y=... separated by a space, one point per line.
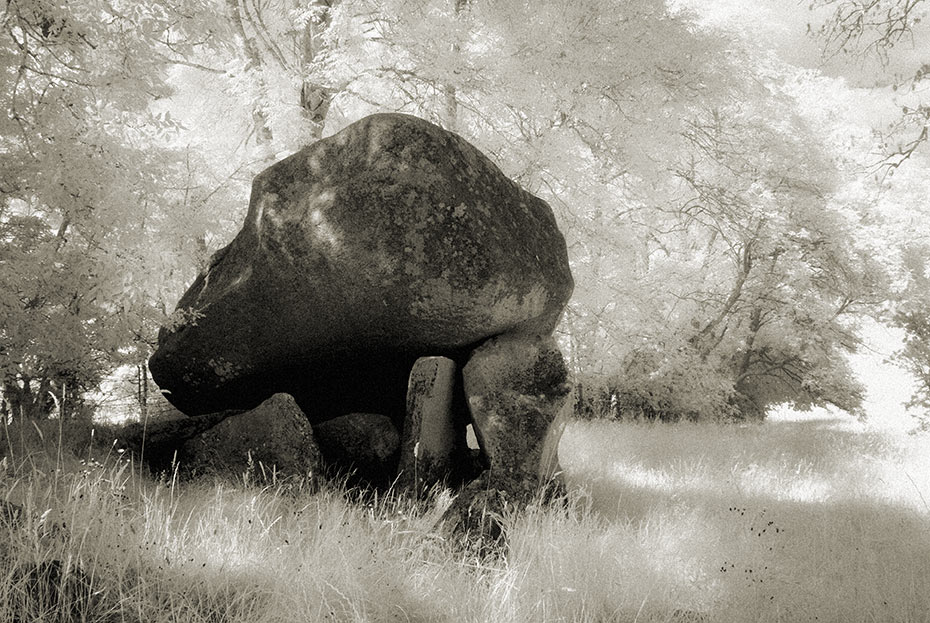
x=791 y=520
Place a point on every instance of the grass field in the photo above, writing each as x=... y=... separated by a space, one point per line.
x=786 y=521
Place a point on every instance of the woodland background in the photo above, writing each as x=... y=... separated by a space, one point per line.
x=741 y=185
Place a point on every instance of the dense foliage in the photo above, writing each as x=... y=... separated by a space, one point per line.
x=101 y=213
x=912 y=315
x=723 y=225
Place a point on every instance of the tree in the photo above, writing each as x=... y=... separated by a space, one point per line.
x=114 y=193
x=98 y=218
x=716 y=257
x=880 y=29
x=269 y=50
x=892 y=31
x=912 y=315
x=697 y=218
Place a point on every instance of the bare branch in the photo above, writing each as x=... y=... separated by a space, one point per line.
x=867 y=26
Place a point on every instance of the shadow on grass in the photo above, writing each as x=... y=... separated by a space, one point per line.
x=780 y=522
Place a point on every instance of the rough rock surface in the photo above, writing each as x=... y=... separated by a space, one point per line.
x=429 y=440
x=156 y=443
x=516 y=387
x=274 y=437
x=390 y=240
x=365 y=446
x=275 y=434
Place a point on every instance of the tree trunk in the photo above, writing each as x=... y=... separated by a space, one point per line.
x=314 y=98
x=748 y=407
x=262 y=131
x=26 y=404
x=707 y=339
x=142 y=390
x=451 y=94
x=745 y=360
x=11 y=400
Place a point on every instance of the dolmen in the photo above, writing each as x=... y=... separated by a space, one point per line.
x=393 y=270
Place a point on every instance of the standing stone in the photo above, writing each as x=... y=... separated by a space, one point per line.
x=364 y=445
x=429 y=437
x=515 y=386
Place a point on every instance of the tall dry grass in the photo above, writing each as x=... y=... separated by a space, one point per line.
x=779 y=522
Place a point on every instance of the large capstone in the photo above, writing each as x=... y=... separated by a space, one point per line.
x=391 y=240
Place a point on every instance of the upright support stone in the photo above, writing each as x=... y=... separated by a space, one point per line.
x=515 y=386
x=428 y=443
